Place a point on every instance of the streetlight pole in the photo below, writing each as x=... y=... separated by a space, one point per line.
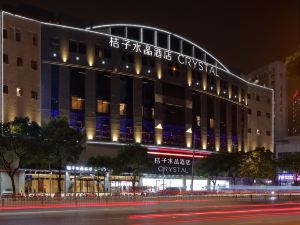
x=192 y=178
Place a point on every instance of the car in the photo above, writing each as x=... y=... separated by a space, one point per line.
x=7 y=193
x=170 y=191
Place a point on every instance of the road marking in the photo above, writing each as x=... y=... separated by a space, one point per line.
x=249 y=222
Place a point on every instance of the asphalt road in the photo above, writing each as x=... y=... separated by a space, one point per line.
x=164 y=211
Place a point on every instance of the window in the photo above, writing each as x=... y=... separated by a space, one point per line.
x=122 y=109
x=268 y=115
x=128 y=57
x=35 y=40
x=34 y=95
x=258 y=113
x=5 y=33
x=5 y=89
x=55 y=44
x=249 y=111
x=18 y=35
x=211 y=123
x=34 y=65
x=249 y=96
x=5 y=58
x=269 y=100
x=77 y=103
x=133 y=33
x=173 y=69
x=162 y=40
x=102 y=53
x=82 y=48
x=148 y=36
x=102 y=106
x=19 y=61
x=175 y=44
x=19 y=92
x=258 y=131
x=147 y=61
x=249 y=130
x=268 y=133
x=198 y=119
x=72 y=46
x=257 y=98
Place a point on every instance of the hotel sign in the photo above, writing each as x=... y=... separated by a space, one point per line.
x=166 y=165
x=154 y=51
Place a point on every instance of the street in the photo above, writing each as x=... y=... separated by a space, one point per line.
x=207 y=211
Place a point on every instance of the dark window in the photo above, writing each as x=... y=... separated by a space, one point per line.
x=187 y=48
x=133 y=33
x=249 y=130
x=4 y=33
x=5 y=89
x=5 y=58
x=162 y=40
x=118 y=31
x=128 y=57
x=147 y=61
x=173 y=90
x=82 y=48
x=35 y=39
x=175 y=44
x=107 y=53
x=102 y=53
x=269 y=100
x=19 y=61
x=148 y=36
x=18 y=35
x=258 y=113
x=257 y=98
x=268 y=115
x=55 y=45
x=268 y=133
x=210 y=60
x=249 y=111
x=198 y=54
x=34 y=95
x=34 y=65
x=249 y=96
x=73 y=46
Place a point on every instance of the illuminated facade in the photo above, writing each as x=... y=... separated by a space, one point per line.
x=128 y=83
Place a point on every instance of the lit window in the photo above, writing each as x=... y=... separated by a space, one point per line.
x=77 y=103
x=258 y=131
x=122 y=109
x=211 y=123
x=19 y=92
x=102 y=106
x=198 y=121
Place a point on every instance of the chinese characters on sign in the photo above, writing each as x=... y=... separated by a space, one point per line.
x=166 y=165
x=161 y=53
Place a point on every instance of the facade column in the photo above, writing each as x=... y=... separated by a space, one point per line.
x=245 y=130
x=203 y=121
x=115 y=106
x=90 y=104
x=45 y=92
x=158 y=112
x=229 y=126
x=137 y=109
x=217 y=123
x=64 y=92
x=239 y=130
x=188 y=118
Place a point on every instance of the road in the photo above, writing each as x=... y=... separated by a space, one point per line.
x=205 y=211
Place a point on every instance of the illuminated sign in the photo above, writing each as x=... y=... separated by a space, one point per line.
x=154 y=51
x=286 y=177
x=171 y=165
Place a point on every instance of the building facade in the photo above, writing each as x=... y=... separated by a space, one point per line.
x=126 y=83
x=273 y=76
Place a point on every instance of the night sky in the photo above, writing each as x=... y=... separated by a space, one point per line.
x=242 y=34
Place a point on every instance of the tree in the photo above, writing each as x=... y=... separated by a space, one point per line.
x=62 y=145
x=258 y=163
x=98 y=162
x=211 y=166
x=291 y=163
x=231 y=163
x=132 y=159
x=19 y=145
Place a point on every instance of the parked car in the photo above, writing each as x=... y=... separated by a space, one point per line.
x=7 y=193
x=170 y=191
